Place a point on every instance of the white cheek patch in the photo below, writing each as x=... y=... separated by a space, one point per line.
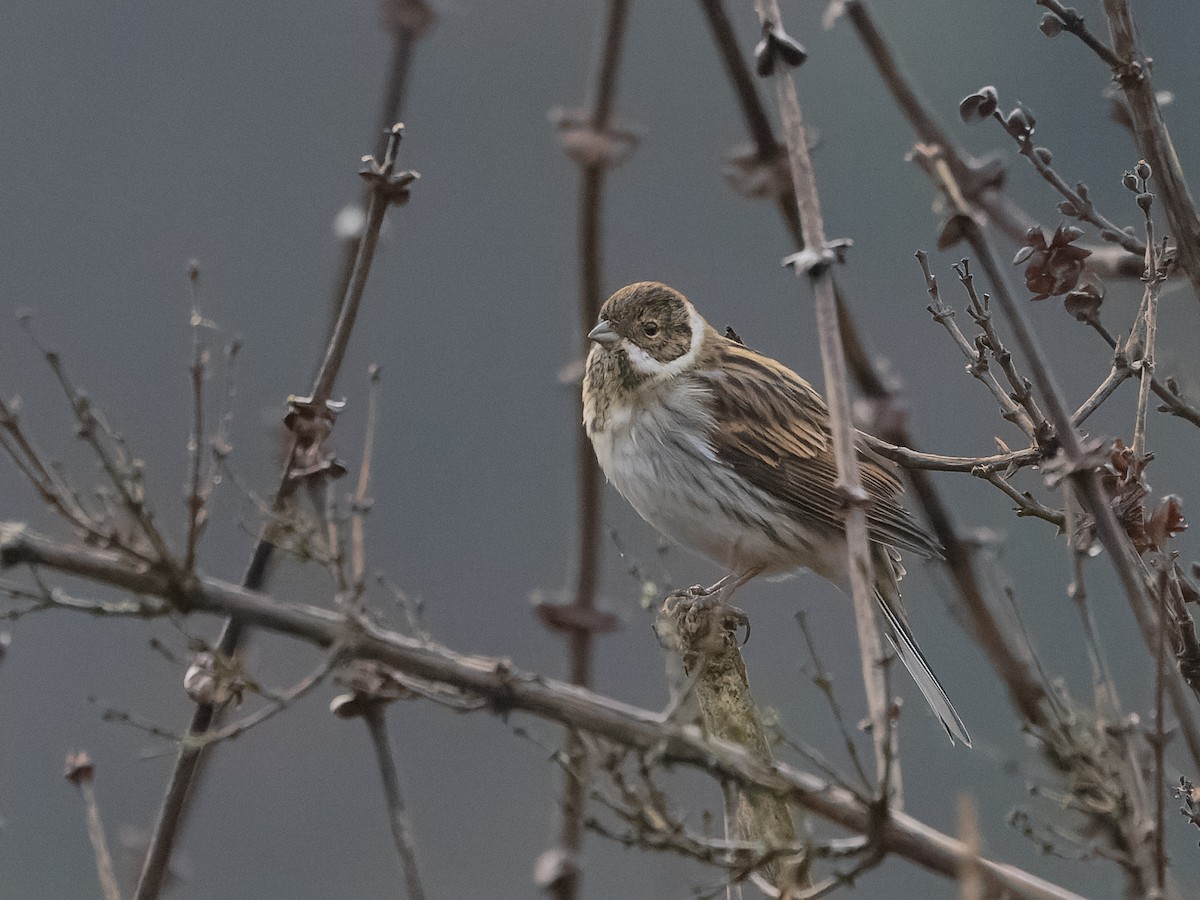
x=645 y=364
x=641 y=361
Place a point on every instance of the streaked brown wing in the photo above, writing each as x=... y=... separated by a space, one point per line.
x=772 y=428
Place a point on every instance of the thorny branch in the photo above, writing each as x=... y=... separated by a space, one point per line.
x=776 y=55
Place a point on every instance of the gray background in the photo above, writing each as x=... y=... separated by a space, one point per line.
x=137 y=135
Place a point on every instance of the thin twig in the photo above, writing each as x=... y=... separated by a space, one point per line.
x=1078 y=202
x=912 y=459
x=1148 y=327
x=122 y=471
x=824 y=683
x=1026 y=504
x=362 y=501
x=1079 y=541
x=406 y=21
x=979 y=308
x=278 y=702
x=1173 y=401
x=577 y=618
x=976 y=356
x=397 y=814
x=1116 y=375
x=195 y=499
x=1159 y=740
x=82 y=773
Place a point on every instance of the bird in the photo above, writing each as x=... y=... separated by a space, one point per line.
x=729 y=453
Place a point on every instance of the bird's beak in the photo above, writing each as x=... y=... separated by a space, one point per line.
x=603 y=334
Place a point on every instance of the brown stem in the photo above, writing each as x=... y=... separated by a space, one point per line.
x=833 y=362
x=578 y=619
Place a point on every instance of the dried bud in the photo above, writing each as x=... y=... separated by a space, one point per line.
x=777 y=47
x=978 y=106
x=1145 y=201
x=955 y=229
x=1084 y=303
x=1067 y=208
x=79 y=768
x=1052 y=268
x=1043 y=155
x=1020 y=122
x=1130 y=181
x=1051 y=25
x=1143 y=170
x=1166 y=521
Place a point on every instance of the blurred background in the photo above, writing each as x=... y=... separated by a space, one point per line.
x=139 y=135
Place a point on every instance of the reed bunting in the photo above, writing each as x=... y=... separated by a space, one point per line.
x=729 y=453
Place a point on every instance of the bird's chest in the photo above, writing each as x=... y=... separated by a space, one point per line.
x=657 y=453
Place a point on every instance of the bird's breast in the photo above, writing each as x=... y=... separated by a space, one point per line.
x=655 y=450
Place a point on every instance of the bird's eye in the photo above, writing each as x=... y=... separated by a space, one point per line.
x=650 y=329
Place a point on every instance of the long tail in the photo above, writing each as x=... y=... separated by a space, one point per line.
x=905 y=645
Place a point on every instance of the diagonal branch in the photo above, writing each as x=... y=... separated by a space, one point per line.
x=311 y=421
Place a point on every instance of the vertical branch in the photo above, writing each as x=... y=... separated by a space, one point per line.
x=82 y=773
x=1153 y=140
x=970 y=877
x=1158 y=740
x=1147 y=327
x=311 y=422
x=816 y=261
x=195 y=499
x=706 y=637
x=373 y=713
x=406 y=21
x=589 y=139
x=362 y=499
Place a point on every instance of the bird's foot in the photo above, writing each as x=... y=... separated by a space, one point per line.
x=699 y=600
x=691 y=596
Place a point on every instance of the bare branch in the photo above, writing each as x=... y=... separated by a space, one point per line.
x=510 y=689
x=816 y=261
x=82 y=773
x=310 y=421
x=397 y=814
x=591 y=139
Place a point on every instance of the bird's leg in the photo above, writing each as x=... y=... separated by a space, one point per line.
x=727 y=589
x=695 y=593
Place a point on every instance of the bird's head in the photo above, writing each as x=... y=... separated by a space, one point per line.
x=652 y=326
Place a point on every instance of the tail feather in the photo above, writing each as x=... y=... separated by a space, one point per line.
x=905 y=645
